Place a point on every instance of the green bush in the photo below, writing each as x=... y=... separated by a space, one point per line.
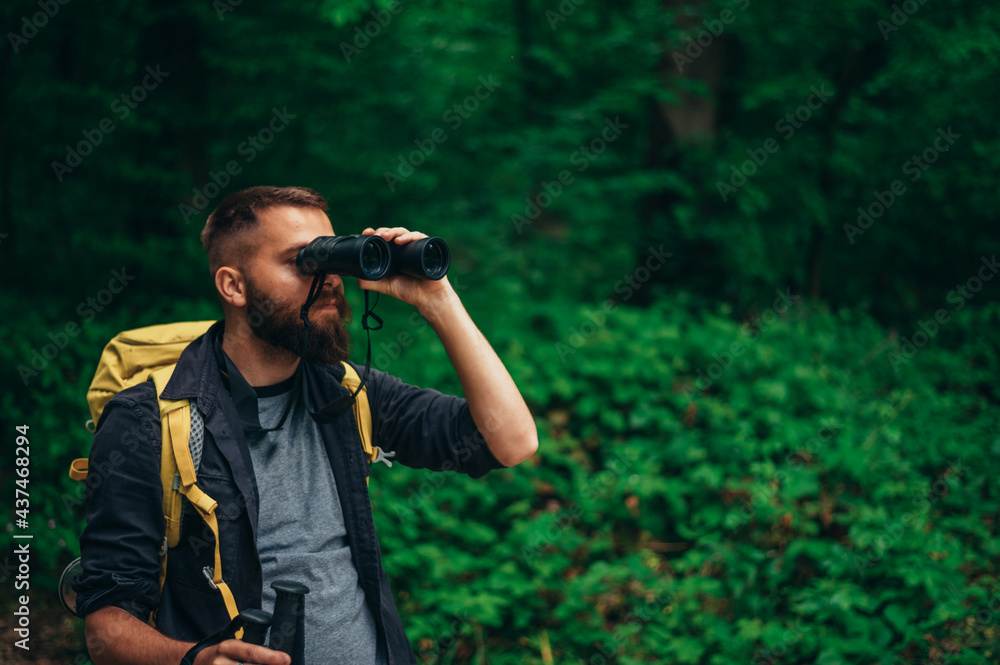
x=811 y=505
x=818 y=500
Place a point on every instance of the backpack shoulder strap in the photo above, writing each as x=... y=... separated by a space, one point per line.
x=178 y=474
x=362 y=410
x=175 y=418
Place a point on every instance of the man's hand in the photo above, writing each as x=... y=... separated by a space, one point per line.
x=229 y=651
x=116 y=637
x=496 y=406
x=403 y=287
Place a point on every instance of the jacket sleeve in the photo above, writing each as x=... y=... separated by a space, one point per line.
x=120 y=544
x=425 y=428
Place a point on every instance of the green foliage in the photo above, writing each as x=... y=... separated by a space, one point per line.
x=810 y=505
x=820 y=493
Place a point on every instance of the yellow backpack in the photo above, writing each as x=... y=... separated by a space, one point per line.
x=137 y=355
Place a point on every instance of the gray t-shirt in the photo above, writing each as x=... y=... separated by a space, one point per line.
x=301 y=534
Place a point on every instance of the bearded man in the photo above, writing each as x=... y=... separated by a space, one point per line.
x=292 y=493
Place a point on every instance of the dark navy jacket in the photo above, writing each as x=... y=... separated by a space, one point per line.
x=125 y=526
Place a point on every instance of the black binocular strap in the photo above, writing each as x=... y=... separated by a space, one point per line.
x=339 y=406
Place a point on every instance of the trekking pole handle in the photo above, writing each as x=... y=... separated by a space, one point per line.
x=255 y=625
x=289 y=608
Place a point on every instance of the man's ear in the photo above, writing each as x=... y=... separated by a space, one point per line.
x=231 y=286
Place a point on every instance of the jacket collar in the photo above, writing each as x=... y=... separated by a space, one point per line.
x=194 y=377
x=198 y=376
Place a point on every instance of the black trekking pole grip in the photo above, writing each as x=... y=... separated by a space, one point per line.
x=288 y=627
x=255 y=625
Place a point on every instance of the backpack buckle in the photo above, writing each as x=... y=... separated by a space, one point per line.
x=381 y=456
x=207 y=572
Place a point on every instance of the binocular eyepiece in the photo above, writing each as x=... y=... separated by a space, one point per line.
x=372 y=258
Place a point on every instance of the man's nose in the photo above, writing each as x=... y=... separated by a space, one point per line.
x=334 y=281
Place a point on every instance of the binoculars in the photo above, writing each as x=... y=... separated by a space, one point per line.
x=372 y=258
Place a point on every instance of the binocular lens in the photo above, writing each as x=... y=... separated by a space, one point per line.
x=433 y=260
x=427 y=258
x=373 y=257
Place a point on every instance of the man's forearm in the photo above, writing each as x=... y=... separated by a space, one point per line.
x=115 y=637
x=494 y=400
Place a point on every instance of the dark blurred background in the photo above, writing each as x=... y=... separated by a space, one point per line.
x=739 y=257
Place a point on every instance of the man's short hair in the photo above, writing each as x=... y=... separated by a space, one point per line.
x=226 y=236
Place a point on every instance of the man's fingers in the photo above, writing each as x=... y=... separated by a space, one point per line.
x=396 y=234
x=410 y=237
x=366 y=284
x=240 y=651
x=389 y=233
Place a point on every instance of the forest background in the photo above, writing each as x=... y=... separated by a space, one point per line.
x=739 y=256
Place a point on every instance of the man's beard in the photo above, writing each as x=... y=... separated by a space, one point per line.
x=278 y=323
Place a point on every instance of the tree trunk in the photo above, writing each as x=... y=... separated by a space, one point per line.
x=673 y=125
